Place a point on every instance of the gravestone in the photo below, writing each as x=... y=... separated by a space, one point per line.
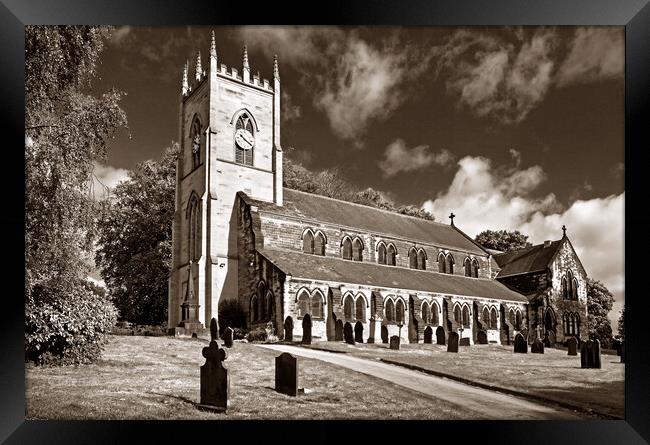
x=348 y=336
x=428 y=335
x=306 y=330
x=338 y=330
x=288 y=329
x=452 y=342
x=590 y=354
x=215 y=382
x=440 y=335
x=394 y=342
x=463 y=341
x=520 y=344
x=384 y=334
x=358 y=332
x=228 y=337
x=481 y=338
x=537 y=347
x=623 y=352
x=572 y=345
x=286 y=374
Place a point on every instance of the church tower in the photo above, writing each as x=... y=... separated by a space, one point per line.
x=229 y=133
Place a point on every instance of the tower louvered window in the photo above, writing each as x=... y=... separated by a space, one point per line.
x=244 y=152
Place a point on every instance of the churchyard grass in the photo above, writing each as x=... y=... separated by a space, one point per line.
x=553 y=375
x=158 y=378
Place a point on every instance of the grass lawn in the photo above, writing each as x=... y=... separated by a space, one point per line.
x=553 y=375
x=159 y=378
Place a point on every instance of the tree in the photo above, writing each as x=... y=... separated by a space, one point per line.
x=66 y=130
x=599 y=302
x=135 y=240
x=502 y=240
x=621 y=324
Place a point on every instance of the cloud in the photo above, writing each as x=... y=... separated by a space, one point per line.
x=120 y=35
x=485 y=197
x=352 y=81
x=290 y=112
x=399 y=158
x=596 y=53
x=107 y=177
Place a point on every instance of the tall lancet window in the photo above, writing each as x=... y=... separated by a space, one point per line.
x=244 y=140
x=194 y=219
x=196 y=143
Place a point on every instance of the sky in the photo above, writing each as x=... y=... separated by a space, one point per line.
x=517 y=128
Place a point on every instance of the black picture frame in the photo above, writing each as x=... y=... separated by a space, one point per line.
x=633 y=14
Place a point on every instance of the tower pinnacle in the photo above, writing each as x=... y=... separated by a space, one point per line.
x=245 y=57
x=199 y=71
x=276 y=71
x=213 y=47
x=184 y=84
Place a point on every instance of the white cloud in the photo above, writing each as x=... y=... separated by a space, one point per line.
x=120 y=34
x=596 y=53
x=399 y=158
x=290 y=111
x=106 y=176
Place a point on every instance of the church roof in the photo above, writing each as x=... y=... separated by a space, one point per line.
x=314 y=267
x=364 y=218
x=529 y=260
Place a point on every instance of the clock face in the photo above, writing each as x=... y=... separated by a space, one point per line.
x=244 y=139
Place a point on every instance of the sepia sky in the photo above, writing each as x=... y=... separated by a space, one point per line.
x=509 y=128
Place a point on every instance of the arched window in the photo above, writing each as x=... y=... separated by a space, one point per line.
x=390 y=311
x=390 y=255
x=413 y=258
x=195 y=135
x=574 y=290
x=317 y=305
x=270 y=305
x=357 y=250
x=565 y=293
x=399 y=311
x=244 y=140
x=360 y=309
x=467 y=264
x=511 y=317
x=475 y=268
x=442 y=263
x=422 y=259
x=457 y=314
x=194 y=219
x=303 y=303
x=381 y=253
x=486 y=316
x=348 y=308
x=254 y=313
x=426 y=313
x=435 y=311
x=346 y=248
x=450 y=263
x=465 y=317
x=518 y=320
x=261 y=301
x=319 y=244
x=493 y=318
x=308 y=242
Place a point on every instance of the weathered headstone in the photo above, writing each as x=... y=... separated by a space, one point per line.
x=572 y=346
x=358 y=332
x=384 y=334
x=623 y=352
x=214 y=329
x=428 y=335
x=440 y=335
x=288 y=329
x=348 y=336
x=590 y=354
x=306 y=330
x=537 y=347
x=394 y=342
x=452 y=342
x=520 y=344
x=215 y=382
x=481 y=338
x=463 y=341
x=286 y=374
x=338 y=330
x=228 y=337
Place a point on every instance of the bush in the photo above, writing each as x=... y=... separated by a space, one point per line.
x=231 y=314
x=239 y=333
x=66 y=326
x=257 y=334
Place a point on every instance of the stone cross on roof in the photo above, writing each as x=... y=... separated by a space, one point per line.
x=452 y=216
x=564 y=230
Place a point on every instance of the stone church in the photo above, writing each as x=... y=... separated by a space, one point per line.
x=296 y=259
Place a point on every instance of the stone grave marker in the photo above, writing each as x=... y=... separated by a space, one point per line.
x=286 y=374
x=394 y=342
x=520 y=344
x=452 y=342
x=572 y=345
x=358 y=332
x=537 y=347
x=590 y=354
x=428 y=335
x=348 y=336
x=463 y=341
x=384 y=334
x=215 y=382
x=440 y=335
x=288 y=329
x=481 y=338
x=338 y=330
x=228 y=337
x=306 y=330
